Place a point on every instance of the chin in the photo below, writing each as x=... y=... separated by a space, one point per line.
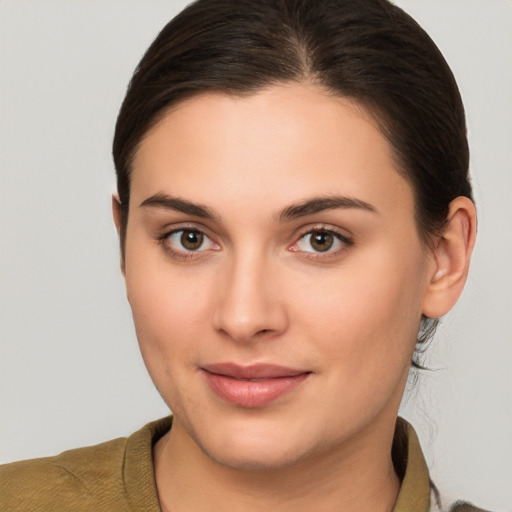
x=256 y=447
x=254 y=459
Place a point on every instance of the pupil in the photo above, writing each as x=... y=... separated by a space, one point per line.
x=191 y=240
x=322 y=241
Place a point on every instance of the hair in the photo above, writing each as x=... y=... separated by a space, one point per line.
x=369 y=51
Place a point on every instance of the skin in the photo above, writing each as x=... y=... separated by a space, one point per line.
x=258 y=291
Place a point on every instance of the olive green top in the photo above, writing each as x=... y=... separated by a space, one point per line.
x=118 y=476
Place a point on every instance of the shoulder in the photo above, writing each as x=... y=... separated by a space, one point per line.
x=114 y=476
x=81 y=478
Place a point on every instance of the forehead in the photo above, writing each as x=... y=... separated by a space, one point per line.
x=282 y=144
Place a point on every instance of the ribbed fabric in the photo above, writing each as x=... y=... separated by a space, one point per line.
x=118 y=476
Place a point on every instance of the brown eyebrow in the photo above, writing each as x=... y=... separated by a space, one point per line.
x=319 y=204
x=167 y=202
x=294 y=211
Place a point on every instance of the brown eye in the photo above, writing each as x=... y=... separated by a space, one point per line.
x=191 y=240
x=188 y=243
x=321 y=241
x=318 y=241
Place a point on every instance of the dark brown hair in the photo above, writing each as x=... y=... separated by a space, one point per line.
x=367 y=50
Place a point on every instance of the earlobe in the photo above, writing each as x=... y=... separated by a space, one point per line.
x=452 y=254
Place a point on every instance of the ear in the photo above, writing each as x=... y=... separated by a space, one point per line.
x=452 y=254
x=116 y=211
x=116 y=215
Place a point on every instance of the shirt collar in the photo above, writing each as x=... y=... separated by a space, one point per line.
x=414 y=495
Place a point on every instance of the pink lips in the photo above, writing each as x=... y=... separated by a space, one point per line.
x=252 y=386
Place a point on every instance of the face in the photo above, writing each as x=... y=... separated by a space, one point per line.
x=275 y=273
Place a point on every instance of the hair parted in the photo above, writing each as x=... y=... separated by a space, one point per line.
x=366 y=50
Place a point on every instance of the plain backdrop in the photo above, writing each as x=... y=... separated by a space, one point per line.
x=71 y=372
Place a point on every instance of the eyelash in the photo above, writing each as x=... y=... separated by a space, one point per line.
x=183 y=255
x=187 y=255
x=345 y=241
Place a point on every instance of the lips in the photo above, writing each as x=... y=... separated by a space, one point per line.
x=252 y=386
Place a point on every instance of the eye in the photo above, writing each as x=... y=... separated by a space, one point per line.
x=321 y=241
x=188 y=240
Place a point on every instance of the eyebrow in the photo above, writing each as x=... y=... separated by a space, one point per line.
x=294 y=211
x=167 y=202
x=320 y=204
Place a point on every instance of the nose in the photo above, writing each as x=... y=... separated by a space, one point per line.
x=249 y=303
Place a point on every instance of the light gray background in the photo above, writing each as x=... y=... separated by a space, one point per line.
x=71 y=373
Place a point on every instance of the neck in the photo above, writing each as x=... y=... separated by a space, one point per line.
x=357 y=477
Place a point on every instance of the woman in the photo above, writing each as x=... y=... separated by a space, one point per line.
x=294 y=208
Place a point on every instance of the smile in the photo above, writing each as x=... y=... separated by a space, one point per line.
x=252 y=386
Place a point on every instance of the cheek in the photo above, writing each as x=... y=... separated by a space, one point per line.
x=168 y=313
x=366 y=314
x=164 y=305
x=168 y=308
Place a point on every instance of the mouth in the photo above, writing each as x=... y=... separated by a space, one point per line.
x=252 y=386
